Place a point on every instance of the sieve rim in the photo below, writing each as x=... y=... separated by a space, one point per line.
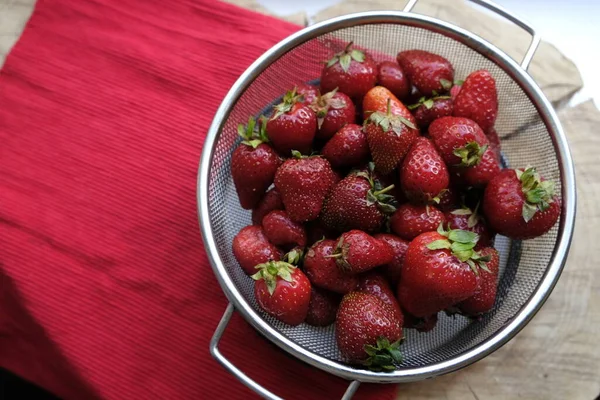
x=544 y=108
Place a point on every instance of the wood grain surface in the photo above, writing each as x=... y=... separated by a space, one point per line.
x=557 y=356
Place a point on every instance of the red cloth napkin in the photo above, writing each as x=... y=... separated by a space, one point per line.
x=105 y=288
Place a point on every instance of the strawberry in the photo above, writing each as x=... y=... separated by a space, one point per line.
x=352 y=71
x=495 y=145
x=412 y=220
x=448 y=199
x=357 y=251
x=460 y=141
x=334 y=110
x=282 y=231
x=520 y=204
x=347 y=148
x=485 y=296
x=251 y=247
x=283 y=291
x=322 y=308
x=269 y=202
x=374 y=283
x=368 y=332
x=399 y=246
x=308 y=92
x=478 y=99
x=358 y=202
x=440 y=270
x=424 y=324
x=423 y=175
x=470 y=220
x=322 y=269
x=253 y=164
x=427 y=110
x=303 y=183
x=391 y=132
x=428 y=72
x=315 y=231
x=293 y=125
x=455 y=90
x=391 y=76
x=480 y=174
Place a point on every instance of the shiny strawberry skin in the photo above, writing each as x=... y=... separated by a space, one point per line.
x=478 y=99
x=399 y=246
x=495 y=144
x=253 y=171
x=456 y=221
x=252 y=247
x=269 y=202
x=282 y=231
x=323 y=271
x=360 y=252
x=308 y=92
x=376 y=99
x=503 y=203
x=451 y=133
x=322 y=308
x=360 y=77
x=373 y=282
x=293 y=130
x=303 y=184
x=440 y=108
x=426 y=70
x=433 y=280
x=423 y=174
x=290 y=300
x=391 y=76
x=409 y=221
x=481 y=174
x=485 y=296
x=363 y=318
x=347 y=207
x=340 y=113
x=347 y=148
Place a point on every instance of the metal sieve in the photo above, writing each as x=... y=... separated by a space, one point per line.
x=530 y=133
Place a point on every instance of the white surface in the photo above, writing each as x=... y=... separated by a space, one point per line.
x=569 y=25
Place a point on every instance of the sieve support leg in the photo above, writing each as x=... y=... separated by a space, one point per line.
x=245 y=379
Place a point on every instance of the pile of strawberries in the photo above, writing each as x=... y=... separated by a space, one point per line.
x=381 y=215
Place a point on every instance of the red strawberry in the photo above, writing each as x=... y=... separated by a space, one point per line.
x=253 y=164
x=351 y=71
x=269 y=202
x=427 y=71
x=322 y=269
x=412 y=220
x=283 y=291
x=322 y=308
x=480 y=174
x=428 y=110
x=347 y=148
x=303 y=183
x=368 y=332
x=315 y=231
x=374 y=283
x=520 y=204
x=393 y=269
x=391 y=76
x=390 y=132
x=448 y=200
x=293 y=125
x=251 y=247
x=469 y=220
x=308 y=92
x=357 y=251
x=495 y=145
x=282 y=231
x=424 y=324
x=455 y=91
x=478 y=99
x=358 y=202
x=423 y=175
x=484 y=298
x=460 y=141
x=334 y=110
x=440 y=270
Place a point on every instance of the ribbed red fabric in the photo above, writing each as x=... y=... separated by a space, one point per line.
x=105 y=289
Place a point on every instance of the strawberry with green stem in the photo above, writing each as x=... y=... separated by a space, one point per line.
x=460 y=141
x=322 y=270
x=428 y=72
x=485 y=296
x=478 y=99
x=352 y=71
x=410 y=220
x=334 y=110
x=357 y=251
x=427 y=110
x=252 y=247
x=253 y=163
x=471 y=220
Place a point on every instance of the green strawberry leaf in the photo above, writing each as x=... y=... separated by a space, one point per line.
x=439 y=244
x=345 y=62
x=458 y=235
x=462 y=211
x=428 y=103
x=446 y=84
x=406 y=122
x=332 y=61
x=458 y=82
x=357 y=55
x=528 y=211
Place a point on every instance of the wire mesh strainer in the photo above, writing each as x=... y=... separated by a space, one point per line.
x=530 y=133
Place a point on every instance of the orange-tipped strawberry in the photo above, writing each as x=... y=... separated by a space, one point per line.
x=253 y=164
x=352 y=71
x=423 y=175
x=428 y=72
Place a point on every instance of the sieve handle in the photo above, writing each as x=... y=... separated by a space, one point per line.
x=535 y=38
x=245 y=379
